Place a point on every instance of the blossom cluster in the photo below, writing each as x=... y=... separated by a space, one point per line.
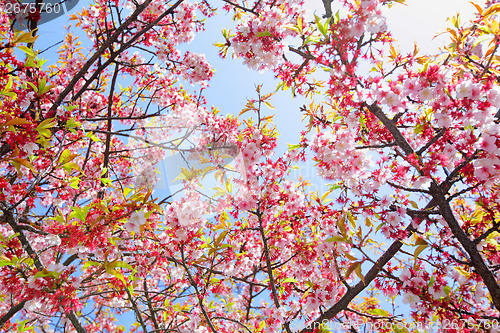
x=200 y=68
x=339 y=159
x=410 y=151
x=260 y=39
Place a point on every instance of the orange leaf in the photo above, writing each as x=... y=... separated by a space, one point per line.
x=492 y=10
x=352 y=267
x=479 y=9
x=16 y=121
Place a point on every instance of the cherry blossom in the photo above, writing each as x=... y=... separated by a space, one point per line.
x=398 y=194
x=136 y=220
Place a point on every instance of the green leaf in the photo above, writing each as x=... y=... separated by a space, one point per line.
x=357 y=269
x=79 y=213
x=17 y=162
x=264 y=34
x=417 y=129
x=27 y=50
x=351 y=219
x=47 y=123
x=269 y=105
x=431 y=281
x=399 y=329
x=462 y=271
x=93 y=137
x=72 y=165
x=378 y=312
x=447 y=290
x=32 y=85
x=420 y=241
x=66 y=156
x=121 y=264
x=9 y=94
x=43 y=87
x=45 y=273
x=72 y=123
x=126 y=191
x=5 y=262
x=289 y=280
x=75 y=181
x=336 y=239
x=91 y=263
x=118 y=275
x=334 y=187
x=9 y=84
x=323 y=28
x=21 y=327
x=184 y=175
x=44 y=133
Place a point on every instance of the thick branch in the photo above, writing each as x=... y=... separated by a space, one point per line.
x=105 y=46
x=469 y=246
x=150 y=306
x=391 y=127
x=13 y=310
x=444 y=207
x=76 y=322
x=344 y=302
x=328 y=8
x=438 y=193
x=268 y=263
x=10 y=219
x=431 y=142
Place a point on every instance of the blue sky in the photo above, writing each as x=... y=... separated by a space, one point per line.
x=233 y=83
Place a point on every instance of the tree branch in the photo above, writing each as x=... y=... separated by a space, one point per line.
x=328 y=8
x=470 y=247
x=13 y=310
x=10 y=219
x=132 y=18
x=270 y=269
x=438 y=195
